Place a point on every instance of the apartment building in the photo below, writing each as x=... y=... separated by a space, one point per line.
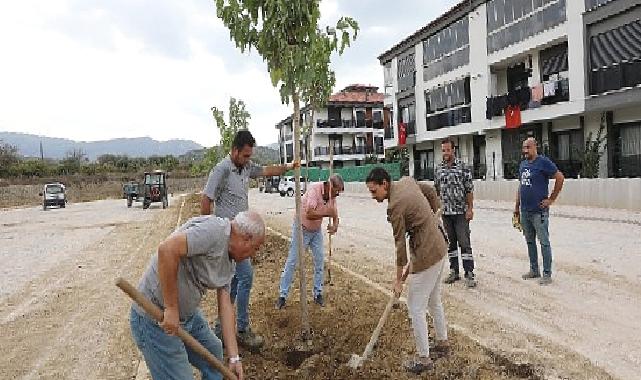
x=352 y=122
x=489 y=73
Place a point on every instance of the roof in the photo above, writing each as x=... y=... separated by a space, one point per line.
x=354 y=95
x=357 y=93
x=452 y=15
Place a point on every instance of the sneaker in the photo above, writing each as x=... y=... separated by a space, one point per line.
x=530 y=275
x=249 y=340
x=440 y=350
x=470 y=280
x=417 y=367
x=319 y=300
x=280 y=303
x=545 y=280
x=452 y=278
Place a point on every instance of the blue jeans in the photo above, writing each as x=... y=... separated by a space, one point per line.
x=166 y=356
x=241 y=286
x=536 y=224
x=313 y=240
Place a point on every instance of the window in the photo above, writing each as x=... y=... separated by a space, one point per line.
x=554 y=60
x=406 y=72
x=631 y=141
x=512 y=21
x=446 y=50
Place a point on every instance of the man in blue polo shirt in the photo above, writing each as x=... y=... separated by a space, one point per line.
x=533 y=207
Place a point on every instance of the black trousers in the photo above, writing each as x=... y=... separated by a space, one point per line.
x=458 y=234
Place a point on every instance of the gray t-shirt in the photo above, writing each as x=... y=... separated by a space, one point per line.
x=207 y=265
x=228 y=185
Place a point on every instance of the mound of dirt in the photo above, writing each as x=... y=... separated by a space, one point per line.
x=342 y=328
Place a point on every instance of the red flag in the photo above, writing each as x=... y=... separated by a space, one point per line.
x=402 y=134
x=512 y=117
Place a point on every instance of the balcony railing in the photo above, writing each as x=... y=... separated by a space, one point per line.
x=324 y=150
x=288 y=137
x=337 y=123
x=557 y=91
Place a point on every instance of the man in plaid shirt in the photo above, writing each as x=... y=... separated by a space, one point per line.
x=453 y=182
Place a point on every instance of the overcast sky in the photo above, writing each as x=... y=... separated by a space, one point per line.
x=93 y=70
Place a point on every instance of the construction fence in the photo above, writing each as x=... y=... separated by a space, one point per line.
x=349 y=174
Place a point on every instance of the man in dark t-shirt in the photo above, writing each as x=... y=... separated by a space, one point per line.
x=533 y=207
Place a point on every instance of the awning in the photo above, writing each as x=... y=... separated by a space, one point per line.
x=616 y=46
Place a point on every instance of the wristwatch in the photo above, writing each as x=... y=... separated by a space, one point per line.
x=234 y=359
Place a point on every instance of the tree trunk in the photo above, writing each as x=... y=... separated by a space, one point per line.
x=298 y=226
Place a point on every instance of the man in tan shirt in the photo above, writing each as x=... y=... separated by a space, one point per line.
x=411 y=210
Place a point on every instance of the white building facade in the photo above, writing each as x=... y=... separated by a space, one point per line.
x=352 y=122
x=563 y=67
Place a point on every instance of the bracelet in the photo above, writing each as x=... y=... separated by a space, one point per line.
x=234 y=359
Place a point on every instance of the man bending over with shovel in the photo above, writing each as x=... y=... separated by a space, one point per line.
x=317 y=203
x=411 y=210
x=200 y=255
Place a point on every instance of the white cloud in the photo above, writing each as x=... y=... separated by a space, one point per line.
x=90 y=70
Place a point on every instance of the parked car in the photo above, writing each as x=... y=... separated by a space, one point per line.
x=286 y=186
x=53 y=194
x=131 y=192
x=155 y=189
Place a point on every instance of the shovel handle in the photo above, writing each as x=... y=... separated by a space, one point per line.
x=377 y=331
x=157 y=314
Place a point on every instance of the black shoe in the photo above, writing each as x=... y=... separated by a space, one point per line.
x=452 y=278
x=280 y=303
x=319 y=300
x=470 y=281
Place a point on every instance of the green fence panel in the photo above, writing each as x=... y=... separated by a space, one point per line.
x=349 y=174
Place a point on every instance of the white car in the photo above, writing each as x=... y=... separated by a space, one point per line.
x=53 y=194
x=286 y=186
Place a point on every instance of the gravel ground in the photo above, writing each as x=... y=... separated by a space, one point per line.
x=62 y=317
x=579 y=326
x=60 y=313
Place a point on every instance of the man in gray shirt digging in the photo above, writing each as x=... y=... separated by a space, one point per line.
x=227 y=188
x=200 y=255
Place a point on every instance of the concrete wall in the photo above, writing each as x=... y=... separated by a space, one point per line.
x=617 y=193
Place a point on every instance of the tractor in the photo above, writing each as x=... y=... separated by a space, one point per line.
x=155 y=189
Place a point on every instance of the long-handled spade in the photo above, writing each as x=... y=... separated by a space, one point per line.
x=356 y=361
x=157 y=314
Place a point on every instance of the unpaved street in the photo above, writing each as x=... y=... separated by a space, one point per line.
x=61 y=316
x=587 y=318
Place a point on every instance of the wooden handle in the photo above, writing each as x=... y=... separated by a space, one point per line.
x=157 y=314
x=377 y=331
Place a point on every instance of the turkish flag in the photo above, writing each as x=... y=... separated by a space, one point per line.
x=402 y=134
x=512 y=117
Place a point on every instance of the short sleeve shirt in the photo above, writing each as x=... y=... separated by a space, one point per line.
x=453 y=183
x=228 y=186
x=206 y=266
x=313 y=200
x=534 y=179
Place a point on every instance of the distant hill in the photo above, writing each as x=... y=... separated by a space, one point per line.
x=262 y=155
x=29 y=146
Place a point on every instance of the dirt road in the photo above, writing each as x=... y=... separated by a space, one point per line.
x=61 y=316
x=586 y=321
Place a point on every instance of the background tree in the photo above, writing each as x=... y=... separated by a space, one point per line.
x=8 y=158
x=594 y=150
x=297 y=54
x=238 y=119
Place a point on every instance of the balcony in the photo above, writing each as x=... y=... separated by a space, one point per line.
x=346 y=124
x=553 y=92
x=349 y=151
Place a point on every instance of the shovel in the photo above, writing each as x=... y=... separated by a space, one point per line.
x=157 y=314
x=356 y=361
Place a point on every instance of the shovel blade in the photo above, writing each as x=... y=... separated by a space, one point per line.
x=355 y=361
